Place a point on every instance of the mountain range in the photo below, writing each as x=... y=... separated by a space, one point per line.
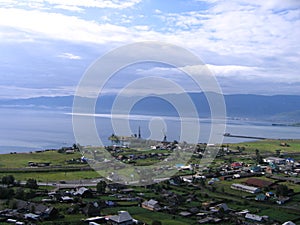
x=284 y=108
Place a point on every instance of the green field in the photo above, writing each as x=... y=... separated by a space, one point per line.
x=269 y=146
x=21 y=160
x=54 y=176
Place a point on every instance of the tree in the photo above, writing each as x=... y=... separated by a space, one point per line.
x=156 y=222
x=12 y=204
x=20 y=194
x=213 y=188
x=114 y=139
x=6 y=193
x=223 y=189
x=8 y=180
x=278 y=152
x=258 y=156
x=282 y=190
x=101 y=186
x=31 y=183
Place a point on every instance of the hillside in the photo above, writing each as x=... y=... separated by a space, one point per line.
x=276 y=108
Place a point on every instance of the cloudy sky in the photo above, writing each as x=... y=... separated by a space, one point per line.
x=251 y=46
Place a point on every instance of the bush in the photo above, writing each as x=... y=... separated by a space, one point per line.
x=8 y=180
x=31 y=183
x=6 y=193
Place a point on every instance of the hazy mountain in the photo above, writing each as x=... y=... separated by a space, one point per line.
x=278 y=107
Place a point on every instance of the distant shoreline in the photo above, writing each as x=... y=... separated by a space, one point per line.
x=286 y=124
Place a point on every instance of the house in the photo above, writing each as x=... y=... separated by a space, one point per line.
x=43 y=211
x=269 y=194
x=66 y=199
x=228 y=177
x=115 y=186
x=254 y=217
x=109 y=203
x=261 y=197
x=269 y=170
x=185 y=214
x=207 y=205
x=95 y=220
x=91 y=209
x=243 y=212
x=31 y=216
x=274 y=160
x=151 y=205
x=175 y=180
x=288 y=223
x=194 y=210
x=205 y=220
x=290 y=160
x=123 y=218
x=249 y=189
x=83 y=192
x=282 y=200
x=50 y=212
x=255 y=169
x=70 y=151
x=236 y=165
x=222 y=207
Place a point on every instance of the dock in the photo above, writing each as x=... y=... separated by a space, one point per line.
x=243 y=136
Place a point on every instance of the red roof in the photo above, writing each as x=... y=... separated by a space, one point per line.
x=236 y=164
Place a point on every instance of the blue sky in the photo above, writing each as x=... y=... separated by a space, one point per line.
x=251 y=46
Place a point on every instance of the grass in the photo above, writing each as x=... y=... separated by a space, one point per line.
x=20 y=160
x=54 y=176
x=269 y=146
x=279 y=215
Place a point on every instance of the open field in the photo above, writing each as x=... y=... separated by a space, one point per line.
x=54 y=176
x=269 y=146
x=21 y=160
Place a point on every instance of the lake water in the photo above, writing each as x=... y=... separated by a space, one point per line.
x=24 y=130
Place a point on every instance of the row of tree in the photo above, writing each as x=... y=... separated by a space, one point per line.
x=10 y=180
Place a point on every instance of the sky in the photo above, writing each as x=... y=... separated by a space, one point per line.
x=252 y=47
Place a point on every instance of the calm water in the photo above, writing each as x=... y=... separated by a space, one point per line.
x=24 y=130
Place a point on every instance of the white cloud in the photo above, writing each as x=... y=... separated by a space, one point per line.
x=15 y=92
x=58 y=26
x=157 y=11
x=252 y=39
x=142 y=28
x=118 y=4
x=69 y=8
x=69 y=56
x=72 y=4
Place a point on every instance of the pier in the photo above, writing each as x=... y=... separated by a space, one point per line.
x=242 y=136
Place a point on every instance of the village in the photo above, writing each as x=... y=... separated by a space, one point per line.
x=243 y=185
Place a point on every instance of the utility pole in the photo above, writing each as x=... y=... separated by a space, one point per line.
x=139 y=135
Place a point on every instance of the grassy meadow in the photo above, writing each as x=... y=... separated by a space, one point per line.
x=20 y=160
x=269 y=146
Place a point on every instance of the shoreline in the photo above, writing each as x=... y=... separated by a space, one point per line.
x=29 y=150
